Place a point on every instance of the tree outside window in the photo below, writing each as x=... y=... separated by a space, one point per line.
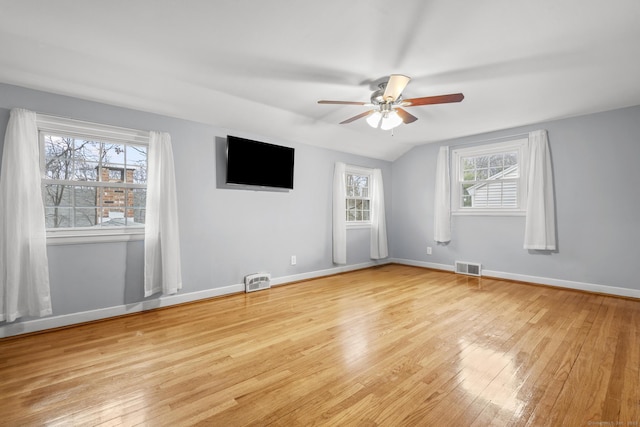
x=358 y=201
x=91 y=183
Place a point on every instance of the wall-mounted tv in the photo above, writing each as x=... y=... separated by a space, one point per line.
x=257 y=163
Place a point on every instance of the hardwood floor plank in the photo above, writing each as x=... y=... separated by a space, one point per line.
x=587 y=383
x=630 y=393
x=391 y=345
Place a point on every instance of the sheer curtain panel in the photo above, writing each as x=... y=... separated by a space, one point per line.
x=540 y=224
x=379 y=247
x=24 y=269
x=162 y=270
x=339 y=214
x=442 y=198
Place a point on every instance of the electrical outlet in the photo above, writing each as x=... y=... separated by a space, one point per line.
x=293 y=260
x=429 y=251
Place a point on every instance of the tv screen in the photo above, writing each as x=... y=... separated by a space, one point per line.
x=258 y=163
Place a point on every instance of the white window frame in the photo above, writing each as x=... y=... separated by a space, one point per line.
x=518 y=145
x=75 y=128
x=357 y=170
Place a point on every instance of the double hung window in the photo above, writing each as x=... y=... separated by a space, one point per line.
x=94 y=177
x=489 y=179
x=358 y=197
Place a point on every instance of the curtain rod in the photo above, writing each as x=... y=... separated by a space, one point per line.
x=48 y=116
x=482 y=141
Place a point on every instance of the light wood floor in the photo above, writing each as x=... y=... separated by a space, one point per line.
x=388 y=346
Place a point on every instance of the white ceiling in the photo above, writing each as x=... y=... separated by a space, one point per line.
x=260 y=66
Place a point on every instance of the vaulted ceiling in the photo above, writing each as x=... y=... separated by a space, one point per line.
x=259 y=67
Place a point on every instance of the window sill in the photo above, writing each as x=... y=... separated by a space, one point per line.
x=77 y=238
x=358 y=225
x=488 y=213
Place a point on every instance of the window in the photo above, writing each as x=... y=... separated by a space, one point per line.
x=94 y=177
x=489 y=179
x=358 y=200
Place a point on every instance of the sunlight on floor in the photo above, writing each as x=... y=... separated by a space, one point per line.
x=132 y=406
x=490 y=375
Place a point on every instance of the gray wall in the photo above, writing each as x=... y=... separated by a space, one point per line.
x=225 y=233
x=597 y=203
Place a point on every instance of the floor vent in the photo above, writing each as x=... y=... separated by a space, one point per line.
x=256 y=282
x=470 y=268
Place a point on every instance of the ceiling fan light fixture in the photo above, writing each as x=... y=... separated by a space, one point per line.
x=374 y=119
x=390 y=120
x=388 y=104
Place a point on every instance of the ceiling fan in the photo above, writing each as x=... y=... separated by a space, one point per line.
x=388 y=102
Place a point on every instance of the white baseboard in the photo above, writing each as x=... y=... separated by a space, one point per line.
x=41 y=324
x=560 y=283
x=36 y=325
x=424 y=264
x=335 y=270
x=569 y=284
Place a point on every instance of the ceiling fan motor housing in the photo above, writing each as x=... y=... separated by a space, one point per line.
x=377 y=97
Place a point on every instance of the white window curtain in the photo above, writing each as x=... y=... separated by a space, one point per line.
x=24 y=268
x=442 y=198
x=379 y=247
x=162 y=270
x=540 y=225
x=339 y=214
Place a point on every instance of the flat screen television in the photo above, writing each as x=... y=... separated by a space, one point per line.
x=257 y=163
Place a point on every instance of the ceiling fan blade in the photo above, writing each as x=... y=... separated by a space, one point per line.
x=343 y=102
x=359 y=116
x=429 y=100
x=395 y=86
x=405 y=116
